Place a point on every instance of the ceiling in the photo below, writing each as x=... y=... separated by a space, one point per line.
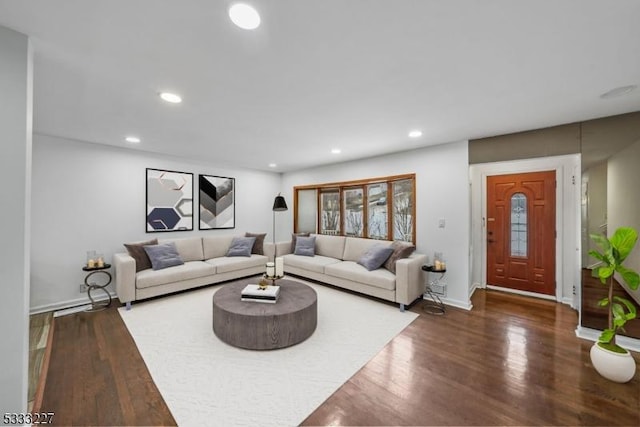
x=320 y=74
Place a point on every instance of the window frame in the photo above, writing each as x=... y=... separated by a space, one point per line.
x=363 y=185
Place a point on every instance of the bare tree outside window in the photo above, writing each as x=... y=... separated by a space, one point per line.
x=380 y=208
x=353 y=211
x=377 y=211
x=403 y=210
x=330 y=202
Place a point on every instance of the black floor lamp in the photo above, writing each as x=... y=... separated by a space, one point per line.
x=279 y=205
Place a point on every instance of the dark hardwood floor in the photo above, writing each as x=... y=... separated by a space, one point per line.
x=512 y=360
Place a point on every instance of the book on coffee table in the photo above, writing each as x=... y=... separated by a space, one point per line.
x=257 y=294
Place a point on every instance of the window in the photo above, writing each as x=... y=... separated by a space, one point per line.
x=378 y=212
x=353 y=212
x=376 y=208
x=403 y=210
x=330 y=211
x=519 y=225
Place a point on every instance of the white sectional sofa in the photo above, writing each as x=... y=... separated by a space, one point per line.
x=336 y=262
x=205 y=262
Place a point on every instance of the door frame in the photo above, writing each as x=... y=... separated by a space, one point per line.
x=568 y=256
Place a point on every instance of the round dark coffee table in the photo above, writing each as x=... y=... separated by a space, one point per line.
x=264 y=326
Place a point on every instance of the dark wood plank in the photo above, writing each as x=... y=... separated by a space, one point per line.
x=97 y=376
x=512 y=360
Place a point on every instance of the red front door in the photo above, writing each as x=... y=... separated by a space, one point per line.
x=521 y=231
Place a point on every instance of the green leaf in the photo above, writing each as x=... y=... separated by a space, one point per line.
x=606 y=336
x=597 y=255
x=630 y=307
x=605 y=272
x=623 y=241
x=617 y=310
x=603 y=302
x=629 y=276
x=602 y=241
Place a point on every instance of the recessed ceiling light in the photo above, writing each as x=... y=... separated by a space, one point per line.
x=244 y=16
x=619 y=91
x=171 y=97
x=132 y=139
x=336 y=151
x=272 y=165
x=415 y=134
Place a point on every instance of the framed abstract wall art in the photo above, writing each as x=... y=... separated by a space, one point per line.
x=217 y=202
x=169 y=201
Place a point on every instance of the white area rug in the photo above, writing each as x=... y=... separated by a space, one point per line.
x=207 y=382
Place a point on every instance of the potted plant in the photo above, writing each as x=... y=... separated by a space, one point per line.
x=610 y=360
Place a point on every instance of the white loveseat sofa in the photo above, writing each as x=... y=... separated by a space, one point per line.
x=205 y=262
x=336 y=262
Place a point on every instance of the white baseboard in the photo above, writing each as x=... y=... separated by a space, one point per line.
x=589 y=334
x=66 y=304
x=465 y=305
x=525 y=293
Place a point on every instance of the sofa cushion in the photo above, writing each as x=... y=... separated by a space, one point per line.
x=331 y=246
x=258 y=246
x=163 y=255
x=294 y=236
x=241 y=246
x=355 y=247
x=137 y=252
x=228 y=264
x=349 y=270
x=216 y=246
x=400 y=250
x=375 y=256
x=316 y=263
x=186 y=271
x=190 y=249
x=305 y=246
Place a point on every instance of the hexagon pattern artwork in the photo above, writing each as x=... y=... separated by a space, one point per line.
x=169 y=200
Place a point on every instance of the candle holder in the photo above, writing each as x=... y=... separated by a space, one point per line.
x=91 y=259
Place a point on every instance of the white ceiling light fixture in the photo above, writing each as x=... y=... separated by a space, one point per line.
x=619 y=91
x=132 y=139
x=244 y=16
x=272 y=165
x=336 y=151
x=171 y=97
x=415 y=134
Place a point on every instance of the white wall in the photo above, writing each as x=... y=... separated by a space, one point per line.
x=15 y=172
x=567 y=218
x=442 y=191
x=623 y=203
x=89 y=196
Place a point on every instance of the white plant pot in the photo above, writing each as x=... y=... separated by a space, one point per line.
x=618 y=367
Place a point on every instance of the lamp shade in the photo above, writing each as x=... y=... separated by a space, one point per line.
x=279 y=204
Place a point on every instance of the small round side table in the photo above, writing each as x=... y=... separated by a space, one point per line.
x=98 y=305
x=433 y=304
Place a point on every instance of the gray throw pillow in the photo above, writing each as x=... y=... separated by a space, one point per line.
x=375 y=256
x=258 y=246
x=137 y=252
x=400 y=250
x=241 y=246
x=305 y=246
x=294 y=236
x=163 y=255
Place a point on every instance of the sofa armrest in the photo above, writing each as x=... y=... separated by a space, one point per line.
x=283 y=248
x=125 y=270
x=269 y=250
x=410 y=278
